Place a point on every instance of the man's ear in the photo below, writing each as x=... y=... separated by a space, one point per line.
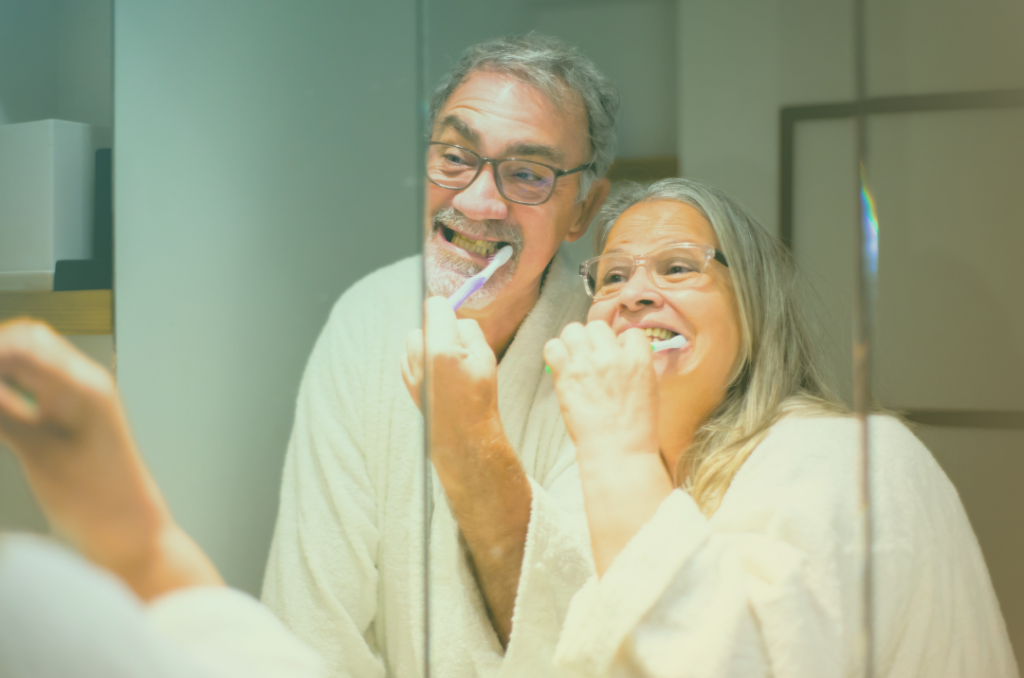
x=595 y=198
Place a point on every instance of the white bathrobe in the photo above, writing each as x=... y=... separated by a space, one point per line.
x=63 y=617
x=346 y=567
x=770 y=585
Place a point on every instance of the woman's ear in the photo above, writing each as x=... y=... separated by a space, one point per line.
x=595 y=198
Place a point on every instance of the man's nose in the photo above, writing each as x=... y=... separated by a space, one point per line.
x=481 y=199
x=639 y=291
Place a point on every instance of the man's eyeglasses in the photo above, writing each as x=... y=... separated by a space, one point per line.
x=522 y=181
x=669 y=267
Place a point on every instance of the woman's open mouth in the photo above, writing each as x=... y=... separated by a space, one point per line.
x=659 y=333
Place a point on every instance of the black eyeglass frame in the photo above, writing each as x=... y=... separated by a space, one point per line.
x=497 y=174
x=641 y=260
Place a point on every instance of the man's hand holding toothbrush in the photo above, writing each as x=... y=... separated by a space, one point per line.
x=487 y=489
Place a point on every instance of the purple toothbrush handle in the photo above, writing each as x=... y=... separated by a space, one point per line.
x=465 y=292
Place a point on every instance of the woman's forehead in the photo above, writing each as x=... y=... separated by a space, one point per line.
x=654 y=223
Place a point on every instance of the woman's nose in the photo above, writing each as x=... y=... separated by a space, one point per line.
x=481 y=200
x=639 y=291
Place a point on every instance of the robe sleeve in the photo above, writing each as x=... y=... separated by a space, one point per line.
x=61 y=616
x=322 y=576
x=231 y=634
x=682 y=600
x=557 y=561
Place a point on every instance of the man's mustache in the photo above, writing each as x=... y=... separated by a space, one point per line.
x=487 y=230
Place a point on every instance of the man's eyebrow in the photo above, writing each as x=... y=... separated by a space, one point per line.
x=460 y=126
x=519 y=149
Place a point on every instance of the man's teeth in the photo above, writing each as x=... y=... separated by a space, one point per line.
x=484 y=248
x=659 y=334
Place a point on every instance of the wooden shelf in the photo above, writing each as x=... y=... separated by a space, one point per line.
x=644 y=170
x=84 y=312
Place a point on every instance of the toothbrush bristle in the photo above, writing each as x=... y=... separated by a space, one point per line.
x=502 y=255
x=677 y=341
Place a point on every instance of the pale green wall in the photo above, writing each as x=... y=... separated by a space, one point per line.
x=55 y=61
x=265 y=160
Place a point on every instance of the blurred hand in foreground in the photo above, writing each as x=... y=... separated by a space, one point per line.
x=61 y=415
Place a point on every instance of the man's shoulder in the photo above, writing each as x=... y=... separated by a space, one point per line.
x=392 y=291
x=400 y=279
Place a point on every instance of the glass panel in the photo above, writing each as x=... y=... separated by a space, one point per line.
x=267 y=159
x=949 y=317
x=474 y=485
x=759 y=100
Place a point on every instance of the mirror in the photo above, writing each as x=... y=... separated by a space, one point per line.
x=274 y=178
x=762 y=101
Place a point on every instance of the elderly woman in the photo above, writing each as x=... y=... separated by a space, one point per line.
x=720 y=478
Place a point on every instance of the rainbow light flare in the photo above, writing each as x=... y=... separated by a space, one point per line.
x=869 y=217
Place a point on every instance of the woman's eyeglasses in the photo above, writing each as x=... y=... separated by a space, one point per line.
x=669 y=267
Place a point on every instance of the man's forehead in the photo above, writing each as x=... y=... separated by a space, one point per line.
x=539 y=117
x=511 y=148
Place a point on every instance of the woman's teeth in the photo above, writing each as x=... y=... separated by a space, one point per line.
x=659 y=333
x=484 y=248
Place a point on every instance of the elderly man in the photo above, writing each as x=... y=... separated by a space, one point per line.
x=522 y=130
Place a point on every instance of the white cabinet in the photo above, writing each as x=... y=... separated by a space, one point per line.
x=46 y=199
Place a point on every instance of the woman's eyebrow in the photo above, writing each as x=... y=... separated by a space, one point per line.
x=665 y=243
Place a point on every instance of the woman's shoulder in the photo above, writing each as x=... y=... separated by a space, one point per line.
x=817 y=459
x=832 y=437
x=802 y=483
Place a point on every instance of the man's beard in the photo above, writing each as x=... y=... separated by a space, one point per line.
x=446 y=271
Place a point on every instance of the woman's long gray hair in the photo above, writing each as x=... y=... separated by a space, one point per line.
x=777 y=372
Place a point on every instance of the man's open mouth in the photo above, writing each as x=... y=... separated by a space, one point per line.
x=484 y=248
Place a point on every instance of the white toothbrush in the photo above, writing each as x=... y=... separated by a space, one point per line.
x=478 y=280
x=677 y=341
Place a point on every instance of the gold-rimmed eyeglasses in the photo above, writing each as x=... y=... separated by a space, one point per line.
x=670 y=267
x=521 y=181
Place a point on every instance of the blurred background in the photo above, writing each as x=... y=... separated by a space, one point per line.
x=265 y=158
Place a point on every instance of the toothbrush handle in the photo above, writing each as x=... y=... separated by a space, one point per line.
x=467 y=290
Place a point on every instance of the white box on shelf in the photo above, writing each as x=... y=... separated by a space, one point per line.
x=47 y=172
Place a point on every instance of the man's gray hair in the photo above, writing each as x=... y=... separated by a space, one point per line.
x=555 y=69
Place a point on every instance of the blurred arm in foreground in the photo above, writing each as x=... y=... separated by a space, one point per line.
x=61 y=416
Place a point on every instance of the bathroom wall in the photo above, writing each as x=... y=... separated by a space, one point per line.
x=265 y=160
x=55 y=61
